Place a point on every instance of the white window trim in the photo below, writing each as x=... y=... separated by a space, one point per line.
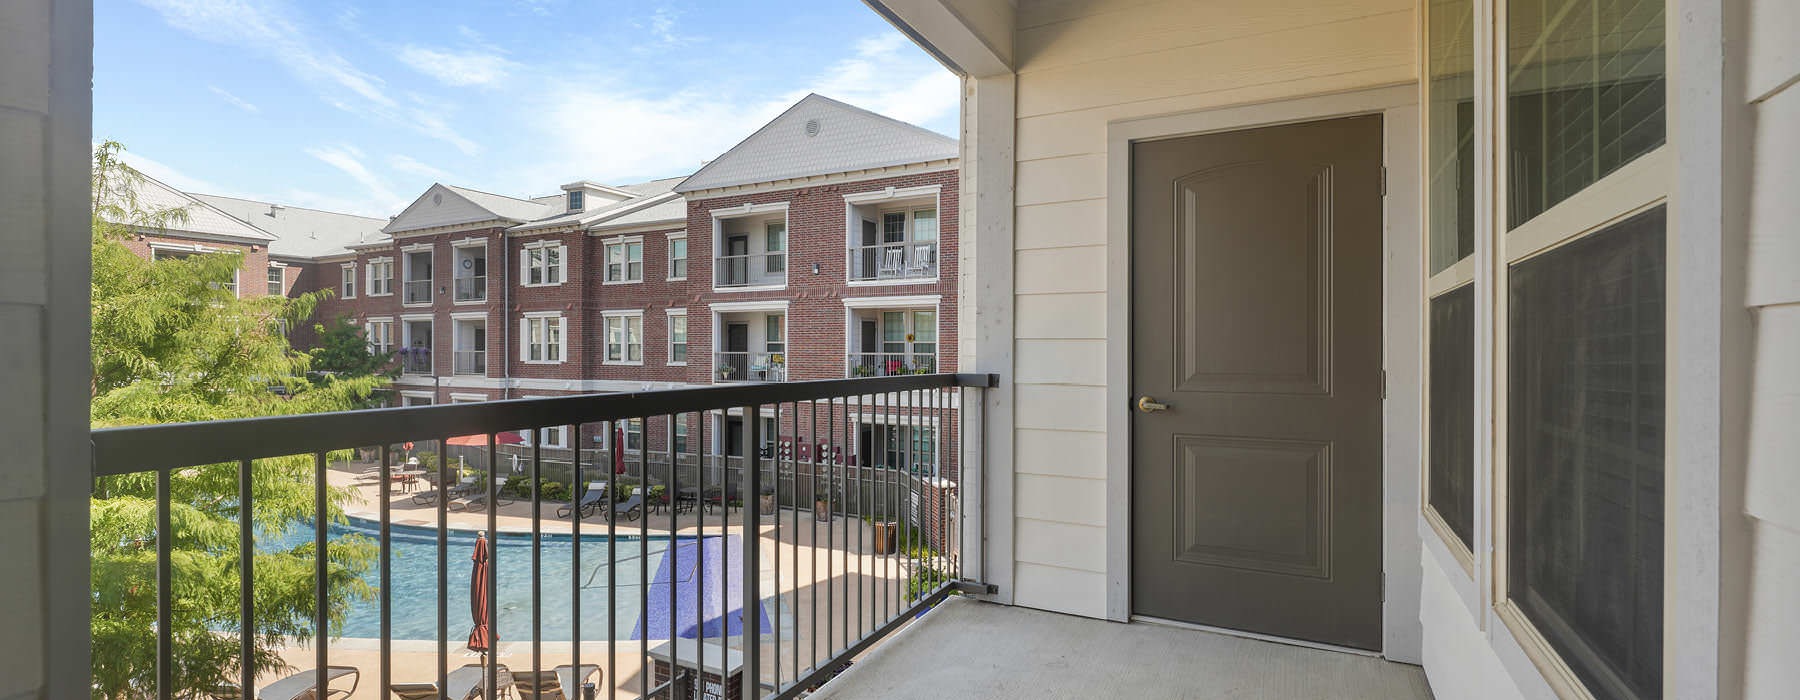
x=669 y=337
x=669 y=261
x=895 y=196
x=562 y=344
x=456 y=269
x=467 y=398
x=369 y=276
x=369 y=333
x=348 y=291
x=606 y=246
x=405 y=273
x=719 y=216
x=562 y=263
x=430 y=397
x=625 y=350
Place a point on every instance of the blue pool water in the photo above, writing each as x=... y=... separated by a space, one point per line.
x=712 y=605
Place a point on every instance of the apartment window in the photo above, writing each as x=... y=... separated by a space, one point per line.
x=1450 y=239
x=678 y=256
x=277 y=281
x=681 y=436
x=419 y=276
x=775 y=243
x=1585 y=95
x=678 y=339
x=557 y=437
x=634 y=434
x=1450 y=459
x=625 y=261
x=348 y=287
x=576 y=198
x=775 y=333
x=381 y=277
x=380 y=334
x=543 y=263
x=415 y=351
x=624 y=338
x=543 y=336
x=897 y=242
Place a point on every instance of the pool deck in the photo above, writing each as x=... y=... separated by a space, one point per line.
x=813 y=603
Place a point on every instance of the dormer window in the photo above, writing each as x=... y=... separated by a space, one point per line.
x=575 y=202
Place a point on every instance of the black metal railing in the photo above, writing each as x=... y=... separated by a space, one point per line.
x=469 y=362
x=778 y=556
x=417 y=291
x=471 y=288
x=751 y=270
x=750 y=366
x=889 y=364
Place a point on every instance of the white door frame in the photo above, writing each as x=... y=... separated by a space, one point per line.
x=1402 y=304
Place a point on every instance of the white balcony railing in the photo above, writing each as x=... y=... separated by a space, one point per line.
x=469 y=362
x=472 y=288
x=893 y=261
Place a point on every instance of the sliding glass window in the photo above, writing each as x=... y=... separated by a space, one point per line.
x=1450 y=242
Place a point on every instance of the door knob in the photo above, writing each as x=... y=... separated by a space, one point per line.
x=1149 y=405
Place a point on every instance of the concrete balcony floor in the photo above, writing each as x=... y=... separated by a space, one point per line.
x=968 y=649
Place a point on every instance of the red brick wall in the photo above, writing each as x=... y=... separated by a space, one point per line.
x=252 y=276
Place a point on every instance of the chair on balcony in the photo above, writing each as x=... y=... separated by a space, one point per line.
x=563 y=683
x=590 y=501
x=461 y=684
x=300 y=686
x=893 y=263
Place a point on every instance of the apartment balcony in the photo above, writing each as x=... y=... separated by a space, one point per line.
x=472 y=288
x=767 y=570
x=750 y=366
x=894 y=261
x=883 y=364
x=416 y=292
x=469 y=362
x=415 y=360
x=750 y=270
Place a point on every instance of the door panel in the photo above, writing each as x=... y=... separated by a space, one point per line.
x=1256 y=319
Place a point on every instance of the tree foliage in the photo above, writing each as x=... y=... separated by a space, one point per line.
x=342 y=349
x=172 y=343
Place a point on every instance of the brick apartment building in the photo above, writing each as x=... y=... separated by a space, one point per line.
x=822 y=246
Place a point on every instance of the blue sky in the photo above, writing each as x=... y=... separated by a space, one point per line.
x=358 y=106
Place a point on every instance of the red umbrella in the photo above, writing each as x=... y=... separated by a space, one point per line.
x=481 y=440
x=618 y=451
x=481 y=636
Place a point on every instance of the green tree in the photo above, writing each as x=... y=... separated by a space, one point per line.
x=172 y=344
x=343 y=350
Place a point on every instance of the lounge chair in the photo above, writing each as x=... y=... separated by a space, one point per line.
x=461 y=684
x=632 y=507
x=466 y=486
x=563 y=683
x=590 y=501
x=476 y=498
x=300 y=686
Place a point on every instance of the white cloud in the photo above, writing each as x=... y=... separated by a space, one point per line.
x=411 y=166
x=175 y=178
x=457 y=68
x=267 y=29
x=350 y=160
x=891 y=77
x=233 y=100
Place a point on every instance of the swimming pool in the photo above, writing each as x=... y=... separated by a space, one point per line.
x=617 y=611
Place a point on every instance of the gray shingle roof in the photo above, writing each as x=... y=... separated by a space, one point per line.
x=642 y=193
x=301 y=232
x=503 y=206
x=202 y=218
x=820 y=136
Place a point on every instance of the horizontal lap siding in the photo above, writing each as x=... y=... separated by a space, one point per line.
x=1083 y=64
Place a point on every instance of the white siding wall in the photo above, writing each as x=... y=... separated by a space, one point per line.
x=1082 y=64
x=1773 y=493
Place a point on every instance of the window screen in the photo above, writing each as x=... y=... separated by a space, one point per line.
x=1451 y=457
x=1585 y=452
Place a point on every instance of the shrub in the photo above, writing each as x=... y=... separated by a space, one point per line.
x=554 y=490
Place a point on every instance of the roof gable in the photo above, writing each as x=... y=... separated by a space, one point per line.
x=821 y=136
x=445 y=205
x=202 y=218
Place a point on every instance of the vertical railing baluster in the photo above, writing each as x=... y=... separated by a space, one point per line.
x=700 y=555
x=165 y=582
x=443 y=570
x=613 y=440
x=491 y=670
x=387 y=574
x=752 y=573
x=794 y=490
x=537 y=559
x=812 y=437
x=579 y=481
x=321 y=573
x=855 y=485
x=673 y=551
x=831 y=608
x=774 y=442
x=644 y=674
x=246 y=581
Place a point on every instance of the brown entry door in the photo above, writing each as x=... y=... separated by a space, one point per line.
x=1256 y=321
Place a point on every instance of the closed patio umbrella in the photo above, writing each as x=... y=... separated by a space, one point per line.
x=481 y=635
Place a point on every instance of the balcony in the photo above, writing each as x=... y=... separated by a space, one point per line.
x=415 y=360
x=882 y=364
x=473 y=288
x=469 y=362
x=894 y=261
x=416 y=292
x=750 y=270
x=827 y=557
x=750 y=366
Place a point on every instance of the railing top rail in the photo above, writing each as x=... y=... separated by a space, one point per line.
x=133 y=449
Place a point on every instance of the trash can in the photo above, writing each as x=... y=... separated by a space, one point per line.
x=885 y=533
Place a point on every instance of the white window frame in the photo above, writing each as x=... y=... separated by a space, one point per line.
x=548 y=322
x=627 y=340
x=379 y=343
x=348 y=281
x=456 y=249
x=669 y=327
x=541 y=251
x=892 y=199
x=669 y=269
x=556 y=436
x=383 y=264
x=722 y=215
x=406 y=256
x=279 y=279
x=623 y=245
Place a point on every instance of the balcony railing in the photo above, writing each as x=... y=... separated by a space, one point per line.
x=417 y=292
x=471 y=288
x=753 y=270
x=828 y=557
x=889 y=364
x=415 y=360
x=749 y=367
x=469 y=362
x=894 y=261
